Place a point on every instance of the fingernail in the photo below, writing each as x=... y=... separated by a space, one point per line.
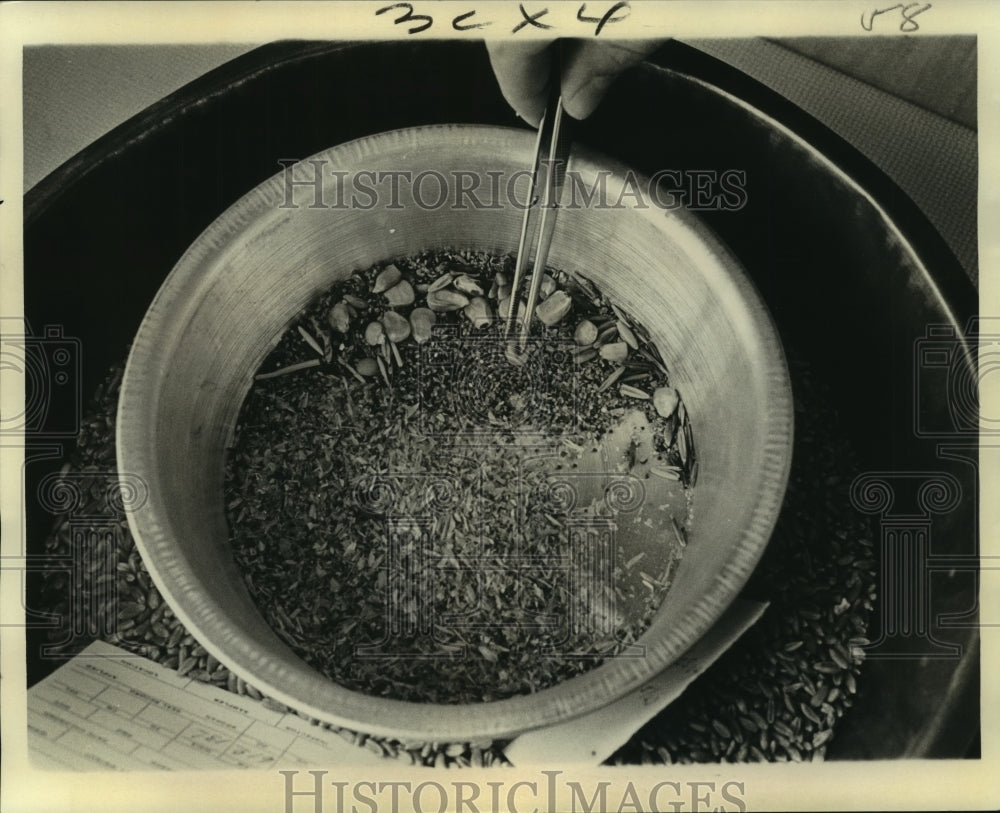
x=582 y=105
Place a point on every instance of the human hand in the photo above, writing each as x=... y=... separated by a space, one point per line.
x=589 y=67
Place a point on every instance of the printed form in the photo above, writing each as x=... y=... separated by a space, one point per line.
x=108 y=709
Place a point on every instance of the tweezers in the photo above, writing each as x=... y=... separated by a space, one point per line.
x=547 y=176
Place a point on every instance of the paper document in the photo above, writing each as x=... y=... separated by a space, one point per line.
x=108 y=709
x=592 y=738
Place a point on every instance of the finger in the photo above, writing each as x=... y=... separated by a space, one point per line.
x=591 y=68
x=523 y=70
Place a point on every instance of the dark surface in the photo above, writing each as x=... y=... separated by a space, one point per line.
x=103 y=231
